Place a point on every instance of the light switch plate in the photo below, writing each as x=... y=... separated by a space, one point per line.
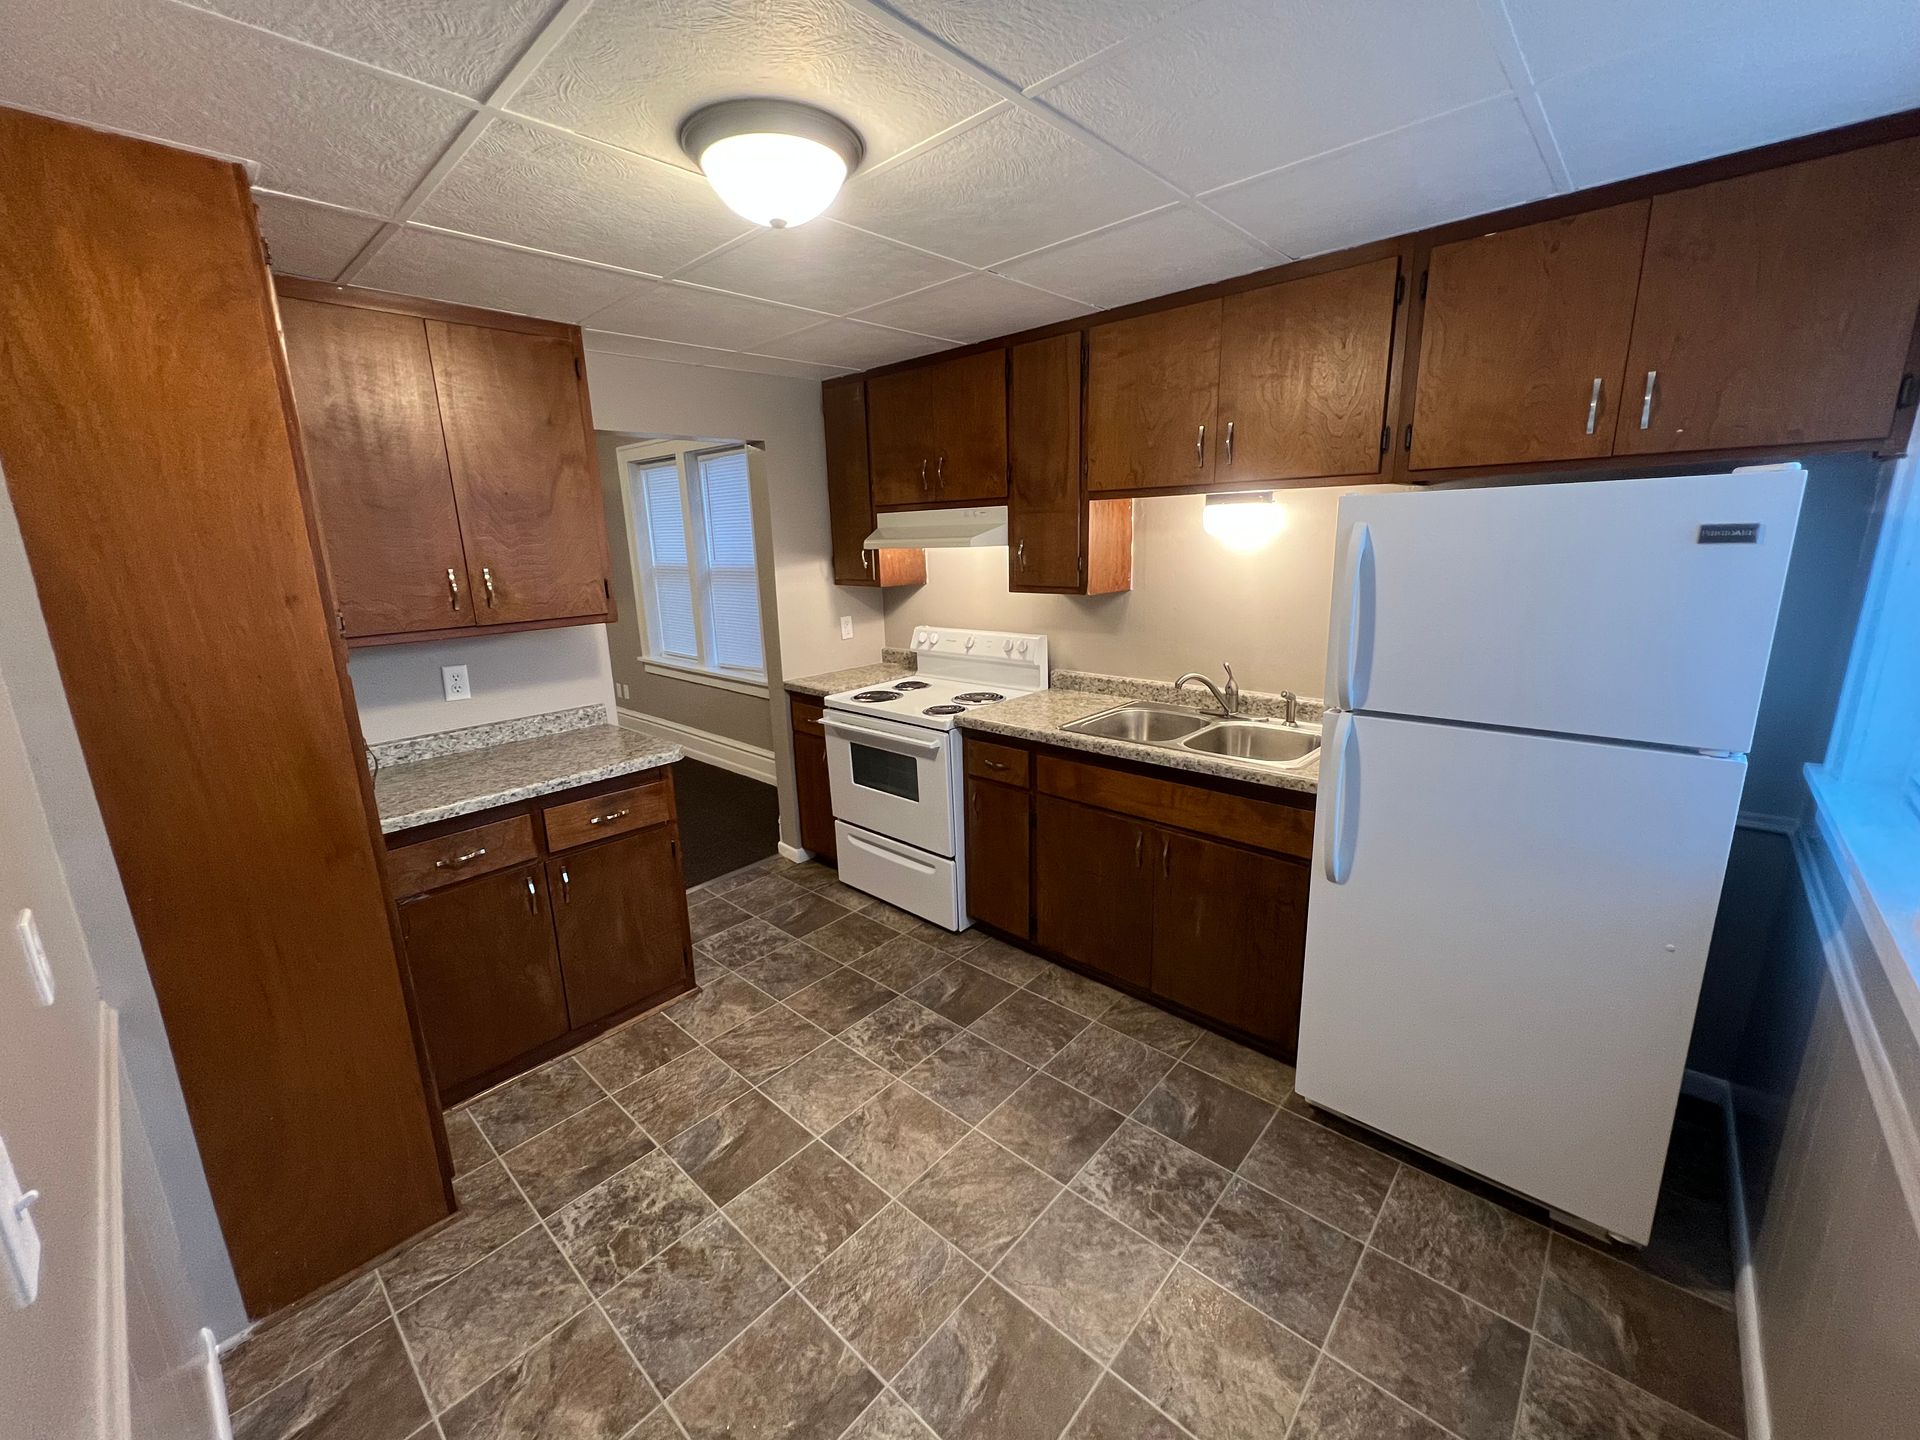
x=453 y=680
x=35 y=950
x=20 y=1235
x=846 y=627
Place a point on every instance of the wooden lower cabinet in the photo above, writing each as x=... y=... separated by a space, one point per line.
x=1094 y=888
x=999 y=855
x=812 y=789
x=620 y=911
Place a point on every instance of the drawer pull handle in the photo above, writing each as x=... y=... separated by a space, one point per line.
x=1593 y=405
x=486 y=576
x=566 y=887
x=454 y=862
x=609 y=818
x=994 y=764
x=533 y=898
x=1646 y=400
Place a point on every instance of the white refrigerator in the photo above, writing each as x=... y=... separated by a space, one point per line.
x=1541 y=698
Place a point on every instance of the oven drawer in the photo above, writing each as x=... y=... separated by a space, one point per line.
x=930 y=886
x=579 y=822
x=429 y=864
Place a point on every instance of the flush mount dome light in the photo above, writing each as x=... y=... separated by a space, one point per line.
x=775 y=162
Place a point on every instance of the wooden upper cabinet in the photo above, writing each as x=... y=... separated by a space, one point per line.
x=1777 y=308
x=1152 y=385
x=514 y=408
x=1303 y=375
x=377 y=465
x=938 y=433
x=1057 y=540
x=901 y=411
x=843 y=407
x=1524 y=341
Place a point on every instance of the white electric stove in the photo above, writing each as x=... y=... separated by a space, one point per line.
x=894 y=764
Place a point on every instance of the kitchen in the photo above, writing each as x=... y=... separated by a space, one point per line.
x=651 y=837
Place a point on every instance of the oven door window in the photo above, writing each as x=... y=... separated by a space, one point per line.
x=887 y=771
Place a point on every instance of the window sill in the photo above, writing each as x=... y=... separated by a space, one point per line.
x=1874 y=836
x=696 y=676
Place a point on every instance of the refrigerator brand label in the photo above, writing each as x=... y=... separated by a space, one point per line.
x=1729 y=535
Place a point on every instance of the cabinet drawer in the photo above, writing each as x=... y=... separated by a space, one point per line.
x=579 y=821
x=429 y=864
x=987 y=761
x=806 y=717
x=1262 y=824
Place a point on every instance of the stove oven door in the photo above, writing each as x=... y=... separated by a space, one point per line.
x=898 y=780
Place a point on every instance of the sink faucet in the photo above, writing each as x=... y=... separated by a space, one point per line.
x=1229 y=701
x=1291 y=714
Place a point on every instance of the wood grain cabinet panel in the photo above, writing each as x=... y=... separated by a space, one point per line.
x=524 y=474
x=937 y=434
x=1093 y=882
x=1776 y=308
x=1152 y=388
x=813 y=790
x=620 y=911
x=999 y=855
x=1057 y=540
x=485 y=971
x=449 y=859
x=1524 y=341
x=377 y=465
x=1303 y=375
x=843 y=407
x=601 y=817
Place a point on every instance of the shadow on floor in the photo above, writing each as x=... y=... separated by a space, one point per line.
x=726 y=820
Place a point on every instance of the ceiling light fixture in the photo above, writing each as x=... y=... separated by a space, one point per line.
x=1245 y=521
x=775 y=162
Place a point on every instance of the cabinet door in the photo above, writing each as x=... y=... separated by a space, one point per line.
x=1303 y=375
x=485 y=974
x=814 y=794
x=1776 y=309
x=620 y=910
x=1093 y=880
x=998 y=850
x=1046 y=514
x=850 y=496
x=514 y=406
x=1151 y=388
x=1230 y=935
x=970 y=426
x=377 y=464
x=902 y=416
x=1524 y=341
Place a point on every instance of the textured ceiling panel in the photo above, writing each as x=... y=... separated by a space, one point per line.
x=823 y=266
x=471 y=272
x=1009 y=185
x=536 y=188
x=1462 y=164
x=1235 y=87
x=317 y=125
x=310 y=240
x=647 y=349
x=694 y=316
x=1027 y=42
x=632 y=70
x=1154 y=255
x=851 y=344
x=466 y=46
x=974 y=307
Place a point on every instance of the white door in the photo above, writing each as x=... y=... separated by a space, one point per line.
x=1632 y=609
x=1505 y=941
x=892 y=778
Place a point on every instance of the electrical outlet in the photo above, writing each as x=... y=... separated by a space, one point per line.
x=453 y=680
x=846 y=627
x=621 y=690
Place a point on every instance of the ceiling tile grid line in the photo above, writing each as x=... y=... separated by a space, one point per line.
x=1506 y=44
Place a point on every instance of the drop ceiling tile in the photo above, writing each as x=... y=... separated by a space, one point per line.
x=1008 y=185
x=1137 y=259
x=696 y=316
x=977 y=306
x=646 y=348
x=853 y=344
x=1026 y=43
x=541 y=189
x=472 y=272
x=632 y=70
x=310 y=240
x=317 y=125
x=1472 y=161
x=824 y=266
x=465 y=47
x=1236 y=87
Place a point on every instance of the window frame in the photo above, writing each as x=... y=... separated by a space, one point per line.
x=654 y=656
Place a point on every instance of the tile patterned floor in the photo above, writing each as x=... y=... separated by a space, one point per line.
x=880 y=1182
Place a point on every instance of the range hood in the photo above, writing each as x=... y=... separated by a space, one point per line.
x=939 y=529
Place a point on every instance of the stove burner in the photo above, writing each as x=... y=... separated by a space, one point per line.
x=979 y=697
x=943 y=710
x=911 y=685
x=875 y=697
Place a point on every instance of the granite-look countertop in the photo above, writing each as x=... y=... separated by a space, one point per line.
x=860 y=677
x=1037 y=718
x=478 y=779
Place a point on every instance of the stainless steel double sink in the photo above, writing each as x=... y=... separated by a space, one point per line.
x=1248 y=739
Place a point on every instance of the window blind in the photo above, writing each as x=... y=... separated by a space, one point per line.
x=731 y=580
x=669 y=572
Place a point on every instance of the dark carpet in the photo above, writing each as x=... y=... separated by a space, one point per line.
x=726 y=820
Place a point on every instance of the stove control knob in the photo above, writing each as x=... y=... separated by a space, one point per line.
x=933 y=638
x=1007 y=645
x=1023 y=647
x=969 y=644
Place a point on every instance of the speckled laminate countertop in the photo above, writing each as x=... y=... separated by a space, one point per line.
x=473 y=780
x=857 y=678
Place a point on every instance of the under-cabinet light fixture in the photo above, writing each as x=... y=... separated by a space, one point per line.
x=1244 y=521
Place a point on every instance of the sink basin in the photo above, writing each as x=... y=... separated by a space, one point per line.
x=1142 y=724
x=1248 y=740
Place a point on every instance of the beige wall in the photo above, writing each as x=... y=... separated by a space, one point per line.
x=747 y=719
x=535 y=672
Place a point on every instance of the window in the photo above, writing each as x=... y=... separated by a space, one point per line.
x=691 y=517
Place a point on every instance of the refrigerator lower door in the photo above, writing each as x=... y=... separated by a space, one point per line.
x=1638 y=610
x=1505 y=941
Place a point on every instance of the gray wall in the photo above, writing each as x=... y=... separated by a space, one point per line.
x=535 y=672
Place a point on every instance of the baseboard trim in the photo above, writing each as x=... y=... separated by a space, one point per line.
x=749 y=760
x=795 y=853
x=1746 y=1298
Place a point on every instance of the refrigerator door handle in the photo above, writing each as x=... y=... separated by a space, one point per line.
x=1349 y=622
x=1339 y=853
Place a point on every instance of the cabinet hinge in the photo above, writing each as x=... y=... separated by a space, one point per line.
x=1423 y=284
x=606 y=587
x=1409 y=437
x=1399 y=288
x=340 y=618
x=1909 y=390
x=1386 y=438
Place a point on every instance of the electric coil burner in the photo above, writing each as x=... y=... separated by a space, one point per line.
x=944 y=710
x=979 y=697
x=911 y=685
x=875 y=697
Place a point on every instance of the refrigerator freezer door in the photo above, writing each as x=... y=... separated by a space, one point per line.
x=1505 y=971
x=1637 y=610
